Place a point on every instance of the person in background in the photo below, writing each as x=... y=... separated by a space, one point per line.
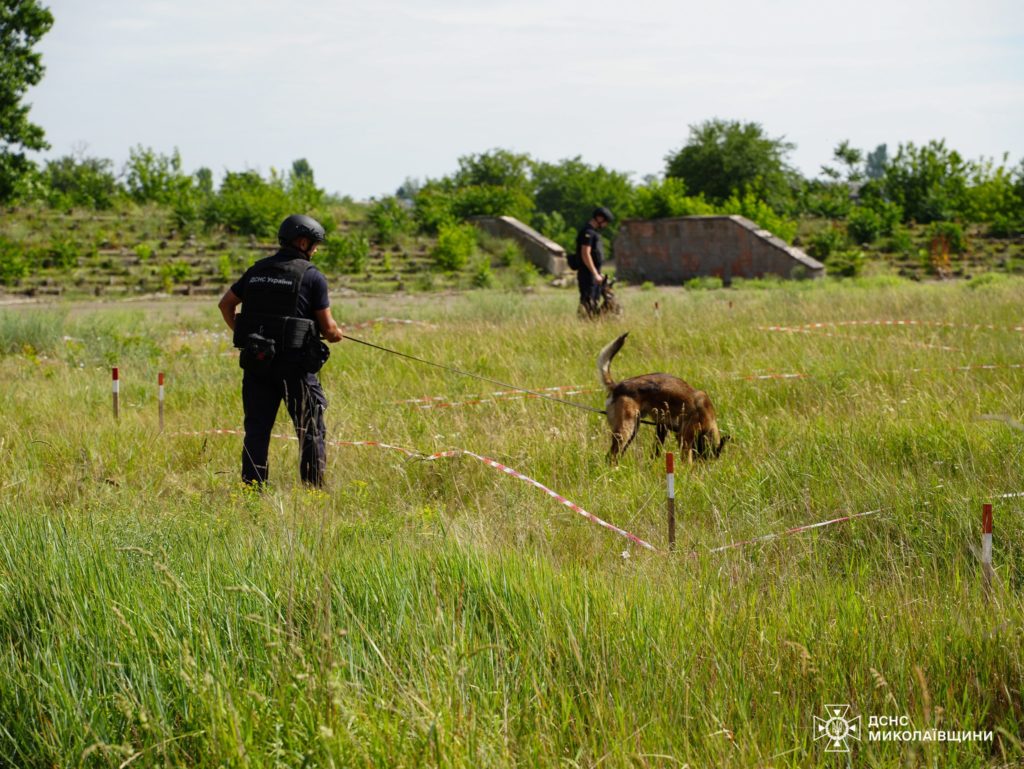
x=589 y=257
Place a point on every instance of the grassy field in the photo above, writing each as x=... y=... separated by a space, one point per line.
x=155 y=613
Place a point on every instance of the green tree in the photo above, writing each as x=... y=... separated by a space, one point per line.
x=248 y=204
x=493 y=183
x=495 y=168
x=572 y=189
x=723 y=157
x=662 y=198
x=78 y=180
x=22 y=25
x=928 y=182
x=301 y=169
x=876 y=161
x=204 y=180
x=849 y=159
x=154 y=177
x=389 y=218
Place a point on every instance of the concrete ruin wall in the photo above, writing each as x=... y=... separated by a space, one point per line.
x=545 y=254
x=678 y=249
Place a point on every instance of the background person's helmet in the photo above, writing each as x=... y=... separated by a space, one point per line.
x=602 y=211
x=298 y=226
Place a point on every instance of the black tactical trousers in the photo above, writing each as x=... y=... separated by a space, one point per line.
x=590 y=290
x=305 y=400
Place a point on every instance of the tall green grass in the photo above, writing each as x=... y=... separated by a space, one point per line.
x=154 y=613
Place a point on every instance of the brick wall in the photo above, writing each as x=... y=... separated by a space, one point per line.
x=678 y=249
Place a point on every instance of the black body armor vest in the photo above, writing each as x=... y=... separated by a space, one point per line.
x=270 y=302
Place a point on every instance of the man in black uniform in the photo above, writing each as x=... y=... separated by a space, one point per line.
x=285 y=308
x=589 y=257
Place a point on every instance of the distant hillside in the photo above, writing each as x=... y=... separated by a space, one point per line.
x=140 y=251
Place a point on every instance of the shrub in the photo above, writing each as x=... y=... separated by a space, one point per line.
x=510 y=253
x=491 y=201
x=1006 y=226
x=864 y=225
x=929 y=183
x=153 y=177
x=482 y=275
x=846 y=263
x=144 y=251
x=987 y=279
x=992 y=193
x=704 y=283
x=899 y=242
x=62 y=254
x=76 y=180
x=13 y=264
x=662 y=199
x=225 y=270
x=174 y=273
x=825 y=242
x=432 y=209
x=455 y=245
x=826 y=198
x=388 y=219
x=554 y=226
x=525 y=273
x=949 y=235
x=349 y=253
x=249 y=205
x=889 y=214
x=425 y=281
x=759 y=212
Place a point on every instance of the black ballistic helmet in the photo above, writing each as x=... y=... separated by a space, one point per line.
x=602 y=211
x=297 y=226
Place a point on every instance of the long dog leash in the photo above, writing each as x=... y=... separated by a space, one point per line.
x=476 y=376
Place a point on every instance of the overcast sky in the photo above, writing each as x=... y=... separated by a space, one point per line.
x=374 y=92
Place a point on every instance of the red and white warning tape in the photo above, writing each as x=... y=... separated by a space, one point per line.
x=456 y=453
x=442 y=401
x=795 y=530
x=439 y=402
x=907 y=342
x=759 y=377
x=898 y=323
x=384 y=320
x=554 y=495
x=537 y=484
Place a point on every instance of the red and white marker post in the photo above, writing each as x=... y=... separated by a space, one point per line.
x=116 y=392
x=670 y=475
x=160 y=396
x=986 y=545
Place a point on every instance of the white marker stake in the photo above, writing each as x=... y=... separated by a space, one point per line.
x=160 y=397
x=670 y=474
x=986 y=544
x=116 y=393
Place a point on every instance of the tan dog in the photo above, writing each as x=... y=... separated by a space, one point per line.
x=670 y=402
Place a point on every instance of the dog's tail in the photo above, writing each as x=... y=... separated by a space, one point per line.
x=604 y=362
